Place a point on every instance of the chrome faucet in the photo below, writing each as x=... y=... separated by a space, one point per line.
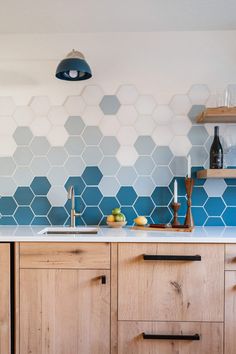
x=73 y=213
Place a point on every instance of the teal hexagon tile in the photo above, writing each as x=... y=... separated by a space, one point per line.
x=214 y=206
x=91 y=196
x=7 y=206
x=181 y=186
x=144 y=206
x=199 y=216
x=161 y=215
x=214 y=221
x=229 y=216
x=23 y=215
x=92 y=175
x=129 y=213
x=40 y=220
x=199 y=196
x=40 y=185
x=107 y=204
x=126 y=195
x=23 y=195
x=162 y=196
x=229 y=196
x=92 y=216
x=40 y=206
x=79 y=207
x=57 y=215
x=77 y=183
x=7 y=220
x=109 y=104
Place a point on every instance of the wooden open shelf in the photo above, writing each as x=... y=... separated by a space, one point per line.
x=217 y=115
x=221 y=173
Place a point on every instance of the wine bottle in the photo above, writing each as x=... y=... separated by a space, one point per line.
x=216 y=151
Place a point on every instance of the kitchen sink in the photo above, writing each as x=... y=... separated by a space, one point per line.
x=52 y=230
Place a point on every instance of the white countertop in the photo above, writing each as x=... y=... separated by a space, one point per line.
x=105 y=234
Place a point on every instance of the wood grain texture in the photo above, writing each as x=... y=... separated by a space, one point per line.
x=17 y=297
x=217 y=115
x=230 y=257
x=5 y=314
x=65 y=255
x=217 y=173
x=64 y=312
x=168 y=229
x=131 y=340
x=114 y=299
x=230 y=312
x=170 y=290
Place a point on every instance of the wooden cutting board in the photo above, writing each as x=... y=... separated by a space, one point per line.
x=170 y=229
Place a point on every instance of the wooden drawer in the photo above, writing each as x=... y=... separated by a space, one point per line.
x=230 y=312
x=65 y=255
x=230 y=257
x=130 y=337
x=170 y=290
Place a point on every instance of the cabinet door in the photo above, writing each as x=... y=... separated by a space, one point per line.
x=230 y=312
x=64 y=311
x=170 y=283
x=5 y=323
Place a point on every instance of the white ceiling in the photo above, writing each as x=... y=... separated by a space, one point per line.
x=75 y=16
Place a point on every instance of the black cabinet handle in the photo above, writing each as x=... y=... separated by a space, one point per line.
x=156 y=257
x=104 y=279
x=172 y=336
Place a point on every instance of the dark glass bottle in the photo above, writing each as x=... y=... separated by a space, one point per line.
x=216 y=151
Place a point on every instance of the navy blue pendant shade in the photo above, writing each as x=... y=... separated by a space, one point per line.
x=73 y=68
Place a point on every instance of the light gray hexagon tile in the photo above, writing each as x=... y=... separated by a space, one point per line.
x=145 y=124
x=109 y=165
x=7 y=146
x=162 y=135
x=162 y=155
x=198 y=155
x=110 y=104
x=127 y=94
x=127 y=115
x=144 y=186
x=23 y=176
x=74 y=105
x=39 y=166
x=23 y=115
x=23 y=156
x=180 y=145
x=194 y=112
x=74 y=166
x=7 y=106
x=127 y=135
x=74 y=145
x=40 y=105
x=109 y=145
x=180 y=104
x=40 y=126
x=144 y=145
x=181 y=125
x=162 y=176
x=39 y=145
x=127 y=155
x=92 y=155
x=144 y=165
x=57 y=196
x=145 y=104
x=92 y=135
x=7 y=166
x=57 y=156
x=57 y=136
x=7 y=186
x=57 y=176
x=215 y=187
x=199 y=94
x=92 y=94
x=127 y=175
x=23 y=136
x=74 y=125
x=109 y=125
x=163 y=114
x=57 y=115
x=109 y=186
x=179 y=166
x=198 y=135
x=8 y=125
x=92 y=115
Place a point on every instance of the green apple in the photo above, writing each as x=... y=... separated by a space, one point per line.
x=120 y=217
x=116 y=211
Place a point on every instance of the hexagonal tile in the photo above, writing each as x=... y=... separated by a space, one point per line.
x=7 y=106
x=79 y=207
x=181 y=125
x=162 y=175
x=7 y=206
x=109 y=186
x=161 y=215
x=198 y=155
x=22 y=136
x=7 y=220
x=92 y=135
x=162 y=135
x=8 y=125
x=144 y=206
x=92 y=115
x=126 y=196
x=74 y=105
x=145 y=124
x=162 y=155
x=127 y=94
x=180 y=145
x=162 y=196
x=92 y=216
x=163 y=114
x=57 y=156
x=92 y=94
x=7 y=146
x=57 y=195
x=23 y=155
x=40 y=166
x=195 y=110
x=74 y=145
x=92 y=176
x=229 y=196
x=180 y=104
x=23 y=115
x=7 y=186
x=23 y=215
x=130 y=214
x=144 y=186
x=7 y=166
x=57 y=216
x=179 y=166
x=198 y=94
x=109 y=104
x=40 y=186
x=127 y=155
x=109 y=165
x=215 y=187
x=40 y=126
x=181 y=185
x=198 y=135
x=127 y=115
x=144 y=165
x=39 y=145
x=23 y=176
x=107 y=204
x=199 y=216
x=199 y=196
x=74 y=166
x=214 y=206
x=74 y=125
x=92 y=155
x=40 y=206
x=92 y=196
x=57 y=175
x=77 y=183
x=126 y=175
x=144 y=145
x=127 y=135
x=145 y=104
x=214 y=221
x=57 y=136
x=23 y=195
x=229 y=216
x=109 y=145
x=109 y=125
x=40 y=105
x=57 y=115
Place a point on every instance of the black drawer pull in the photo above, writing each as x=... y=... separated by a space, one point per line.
x=104 y=279
x=156 y=257
x=172 y=336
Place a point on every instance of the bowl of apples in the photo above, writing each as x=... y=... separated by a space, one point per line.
x=116 y=218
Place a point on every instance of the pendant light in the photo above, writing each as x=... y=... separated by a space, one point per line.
x=73 y=68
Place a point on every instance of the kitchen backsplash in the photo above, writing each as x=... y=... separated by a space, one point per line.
x=119 y=148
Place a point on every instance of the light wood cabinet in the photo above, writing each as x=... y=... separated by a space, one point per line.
x=230 y=312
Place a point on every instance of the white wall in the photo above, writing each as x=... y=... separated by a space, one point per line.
x=161 y=63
